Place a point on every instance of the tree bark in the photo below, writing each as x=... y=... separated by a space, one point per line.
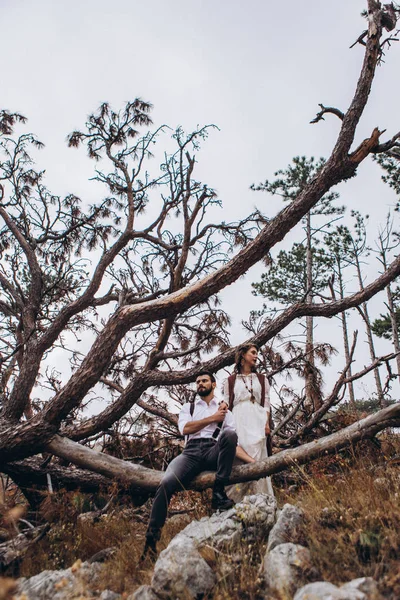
x=368 y=329
x=32 y=478
x=16 y=548
x=345 y=332
x=148 y=479
x=312 y=391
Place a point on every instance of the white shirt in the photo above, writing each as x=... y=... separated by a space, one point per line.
x=202 y=410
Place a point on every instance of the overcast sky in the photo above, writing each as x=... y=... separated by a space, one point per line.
x=257 y=70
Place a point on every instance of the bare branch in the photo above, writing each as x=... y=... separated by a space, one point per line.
x=327 y=109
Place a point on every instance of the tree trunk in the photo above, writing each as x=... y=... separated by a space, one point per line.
x=32 y=478
x=395 y=332
x=148 y=479
x=365 y=315
x=346 y=337
x=312 y=388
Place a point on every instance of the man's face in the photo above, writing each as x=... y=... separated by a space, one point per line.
x=204 y=385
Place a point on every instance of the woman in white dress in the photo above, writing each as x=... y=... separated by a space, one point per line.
x=247 y=394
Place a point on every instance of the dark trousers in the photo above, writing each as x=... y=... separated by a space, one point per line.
x=200 y=454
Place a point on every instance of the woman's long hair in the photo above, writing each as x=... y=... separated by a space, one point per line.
x=239 y=356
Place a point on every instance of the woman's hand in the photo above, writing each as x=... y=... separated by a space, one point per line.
x=267 y=428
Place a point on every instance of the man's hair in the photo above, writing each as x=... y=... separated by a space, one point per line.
x=205 y=372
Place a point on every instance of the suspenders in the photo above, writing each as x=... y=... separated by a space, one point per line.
x=217 y=430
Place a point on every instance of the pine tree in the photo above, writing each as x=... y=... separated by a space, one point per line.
x=338 y=243
x=388 y=326
x=357 y=250
x=301 y=268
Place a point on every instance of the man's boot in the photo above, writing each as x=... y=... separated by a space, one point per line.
x=220 y=500
x=150 y=549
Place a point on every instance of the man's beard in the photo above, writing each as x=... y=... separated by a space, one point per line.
x=204 y=391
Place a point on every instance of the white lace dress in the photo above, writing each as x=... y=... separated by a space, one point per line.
x=250 y=419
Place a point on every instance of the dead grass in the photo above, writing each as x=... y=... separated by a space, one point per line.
x=353 y=518
x=72 y=537
x=351 y=502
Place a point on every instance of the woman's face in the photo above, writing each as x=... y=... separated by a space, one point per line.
x=250 y=357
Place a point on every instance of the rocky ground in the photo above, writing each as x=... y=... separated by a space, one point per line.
x=185 y=568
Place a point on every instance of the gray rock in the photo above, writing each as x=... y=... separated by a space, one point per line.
x=322 y=590
x=286 y=568
x=109 y=595
x=252 y=518
x=181 y=570
x=221 y=528
x=144 y=592
x=288 y=528
x=367 y=585
x=78 y=580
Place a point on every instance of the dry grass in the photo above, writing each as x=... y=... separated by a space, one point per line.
x=352 y=505
x=71 y=537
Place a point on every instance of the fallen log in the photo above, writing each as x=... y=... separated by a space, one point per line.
x=31 y=476
x=148 y=479
x=14 y=549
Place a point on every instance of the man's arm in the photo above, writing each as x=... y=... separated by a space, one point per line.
x=190 y=427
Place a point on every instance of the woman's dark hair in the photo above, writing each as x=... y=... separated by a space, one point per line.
x=239 y=355
x=205 y=372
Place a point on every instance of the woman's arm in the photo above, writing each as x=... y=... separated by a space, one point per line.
x=267 y=427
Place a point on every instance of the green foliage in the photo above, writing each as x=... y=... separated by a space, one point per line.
x=289 y=184
x=391 y=167
x=286 y=280
x=383 y=327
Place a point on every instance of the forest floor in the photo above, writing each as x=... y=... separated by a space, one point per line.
x=351 y=501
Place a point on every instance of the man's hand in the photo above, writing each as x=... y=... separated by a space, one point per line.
x=195 y=426
x=221 y=412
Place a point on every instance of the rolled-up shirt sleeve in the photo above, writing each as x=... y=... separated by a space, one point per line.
x=184 y=417
x=229 y=421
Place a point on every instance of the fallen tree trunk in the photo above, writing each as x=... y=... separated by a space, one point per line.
x=31 y=476
x=15 y=549
x=148 y=479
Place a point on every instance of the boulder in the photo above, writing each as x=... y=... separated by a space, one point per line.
x=286 y=568
x=144 y=592
x=366 y=585
x=322 y=590
x=79 y=580
x=289 y=527
x=181 y=567
x=180 y=570
x=256 y=515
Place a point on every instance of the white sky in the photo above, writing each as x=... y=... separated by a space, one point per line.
x=257 y=70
